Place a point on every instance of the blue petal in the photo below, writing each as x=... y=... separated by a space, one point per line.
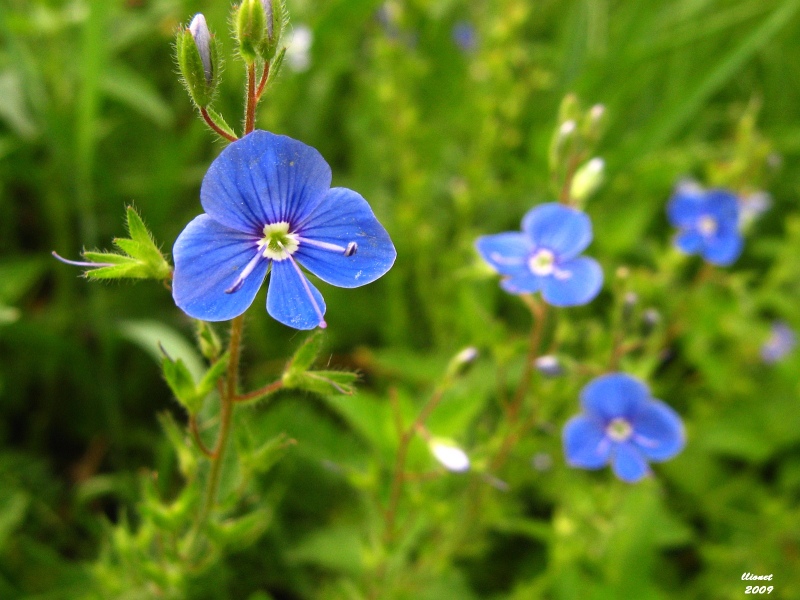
x=686 y=206
x=288 y=299
x=208 y=257
x=566 y=231
x=723 y=249
x=723 y=206
x=690 y=241
x=658 y=431
x=264 y=178
x=345 y=217
x=507 y=253
x=628 y=463
x=613 y=396
x=527 y=283
x=575 y=282
x=585 y=443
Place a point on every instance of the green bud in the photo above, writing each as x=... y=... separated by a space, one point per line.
x=198 y=60
x=276 y=18
x=595 y=123
x=208 y=340
x=251 y=28
x=461 y=362
x=562 y=144
x=570 y=109
x=588 y=178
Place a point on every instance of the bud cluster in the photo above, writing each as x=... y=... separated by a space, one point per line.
x=259 y=25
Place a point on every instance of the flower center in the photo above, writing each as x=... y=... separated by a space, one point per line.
x=707 y=225
x=542 y=262
x=278 y=243
x=619 y=430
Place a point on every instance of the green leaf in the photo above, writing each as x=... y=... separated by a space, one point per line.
x=209 y=380
x=136 y=92
x=221 y=122
x=187 y=457
x=321 y=382
x=242 y=532
x=181 y=383
x=307 y=353
x=265 y=457
x=152 y=336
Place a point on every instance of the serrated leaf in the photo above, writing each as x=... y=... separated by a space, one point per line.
x=209 y=380
x=306 y=354
x=220 y=121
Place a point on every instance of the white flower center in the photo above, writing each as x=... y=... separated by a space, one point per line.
x=707 y=225
x=277 y=243
x=619 y=430
x=542 y=262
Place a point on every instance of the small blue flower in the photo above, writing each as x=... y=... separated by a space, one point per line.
x=624 y=426
x=269 y=207
x=544 y=256
x=465 y=37
x=782 y=340
x=708 y=223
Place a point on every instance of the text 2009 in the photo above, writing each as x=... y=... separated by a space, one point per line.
x=755 y=589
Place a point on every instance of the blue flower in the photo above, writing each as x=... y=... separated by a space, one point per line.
x=544 y=256
x=623 y=425
x=782 y=341
x=465 y=37
x=269 y=207
x=708 y=223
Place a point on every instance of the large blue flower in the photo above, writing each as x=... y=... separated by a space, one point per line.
x=545 y=256
x=708 y=223
x=623 y=425
x=269 y=206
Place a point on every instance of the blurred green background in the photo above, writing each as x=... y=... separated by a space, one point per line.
x=447 y=143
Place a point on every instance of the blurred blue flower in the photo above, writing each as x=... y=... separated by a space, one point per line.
x=624 y=426
x=464 y=36
x=708 y=223
x=782 y=340
x=269 y=206
x=752 y=206
x=545 y=256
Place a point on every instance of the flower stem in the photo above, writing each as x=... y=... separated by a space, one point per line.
x=250 y=110
x=539 y=314
x=268 y=389
x=217 y=129
x=263 y=83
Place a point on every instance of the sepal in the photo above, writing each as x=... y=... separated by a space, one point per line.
x=182 y=384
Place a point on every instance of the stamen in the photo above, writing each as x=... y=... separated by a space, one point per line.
x=504 y=260
x=307 y=287
x=351 y=249
x=237 y=285
x=76 y=263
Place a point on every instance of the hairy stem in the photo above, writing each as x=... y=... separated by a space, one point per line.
x=217 y=129
x=250 y=109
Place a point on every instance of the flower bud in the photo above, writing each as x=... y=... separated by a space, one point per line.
x=275 y=17
x=588 y=178
x=450 y=456
x=549 y=366
x=250 y=19
x=595 y=122
x=198 y=60
x=462 y=361
x=562 y=143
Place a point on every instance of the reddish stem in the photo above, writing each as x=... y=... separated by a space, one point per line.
x=217 y=129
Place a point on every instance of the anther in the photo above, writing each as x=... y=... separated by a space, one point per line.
x=351 y=249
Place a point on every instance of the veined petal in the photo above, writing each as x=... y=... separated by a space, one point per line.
x=585 y=443
x=628 y=463
x=658 y=431
x=264 y=178
x=723 y=249
x=573 y=283
x=686 y=206
x=507 y=253
x=723 y=206
x=690 y=241
x=615 y=395
x=342 y=219
x=563 y=230
x=292 y=299
x=208 y=258
x=522 y=284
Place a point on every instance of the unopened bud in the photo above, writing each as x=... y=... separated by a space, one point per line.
x=595 y=122
x=450 y=456
x=570 y=109
x=250 y=29
x=198 y=60
x=650 y=320
x=462 y=361
x=275 y=18
x=628 y=304
x=562 y=143
x=588 y=178
x=549 y=366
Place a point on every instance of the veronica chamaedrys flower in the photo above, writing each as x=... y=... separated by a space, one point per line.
x=269 y=207
x=544 y=256
x=622 y=425
x=708 y=223
x=782 y=340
